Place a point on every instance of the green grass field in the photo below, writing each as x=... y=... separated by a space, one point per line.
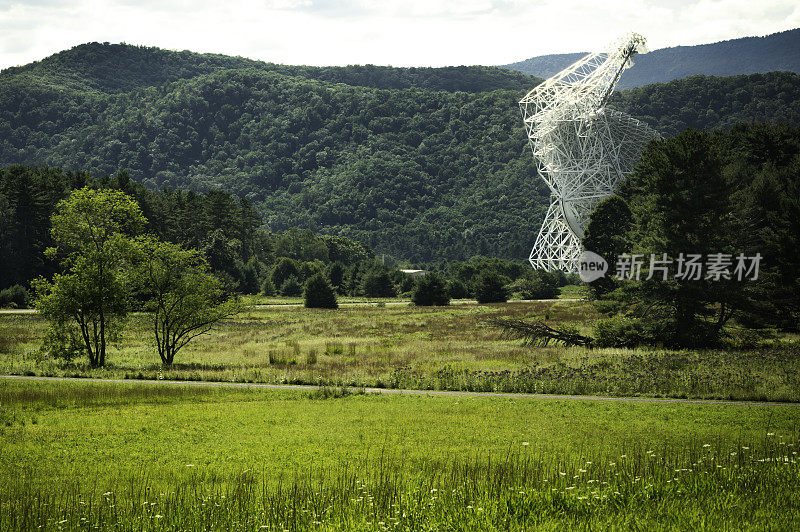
x=142 y=456
x=400 y=346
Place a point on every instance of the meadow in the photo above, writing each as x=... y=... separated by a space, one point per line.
x=393 y=345
x=141 y=456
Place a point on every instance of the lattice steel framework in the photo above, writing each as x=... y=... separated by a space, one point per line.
x=583 y=150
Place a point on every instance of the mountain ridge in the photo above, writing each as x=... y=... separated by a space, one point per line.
x=97 y=66
x=747 y=55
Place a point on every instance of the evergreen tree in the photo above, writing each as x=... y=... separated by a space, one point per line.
x=429 y=290
x=378 y=283
x=607 y=235
x=488 y=287
x=318 y=293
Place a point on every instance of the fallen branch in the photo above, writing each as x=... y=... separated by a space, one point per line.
x=539 y=333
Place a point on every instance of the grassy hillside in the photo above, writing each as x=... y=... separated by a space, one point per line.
x=749 y=55
x=415 y=173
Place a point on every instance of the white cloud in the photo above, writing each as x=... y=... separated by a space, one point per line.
x=411 y=32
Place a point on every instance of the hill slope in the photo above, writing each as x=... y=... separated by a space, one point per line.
x=418 y=174
x=749 y=55
x=121 y=68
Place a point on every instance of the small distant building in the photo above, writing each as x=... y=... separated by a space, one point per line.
x=415 y=273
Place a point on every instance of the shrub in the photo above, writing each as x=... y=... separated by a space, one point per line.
x=291 y=287
x=16 y=297
x=318 y=293
x=538 y=285
x=378 y=283
x=430 y=290
x=457 y=289
x=488 y=287
x=620 y=331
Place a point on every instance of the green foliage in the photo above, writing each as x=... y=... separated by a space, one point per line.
x=117 y=68
x=621 y=331
x=283 y=270
x=291 y=287
x=732 y=192
x=267 y=288
x=309 y=269
x=318 y=293
x=430 y=289
x=184 y=298
x=457 y=289
x=539 y=284
x=607 y=235
x=489 y=287
x=708 y=102
x=377 y=282
x=225 y=228
x=335 y=273
x=90 y=301
x=14 y=297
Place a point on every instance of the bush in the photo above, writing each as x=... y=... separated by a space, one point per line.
x=620 y=331
x=267 y=288
x=291 y=287
x=430 y=290
x=378 y=283
x=488 y=287
x=457 y=289
x=16 y=297
x=318 y=293
x=538 y=285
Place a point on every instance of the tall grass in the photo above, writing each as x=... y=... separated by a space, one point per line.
x=423 y=348
x=703 y=485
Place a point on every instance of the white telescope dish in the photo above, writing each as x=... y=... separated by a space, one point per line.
x=583 y=150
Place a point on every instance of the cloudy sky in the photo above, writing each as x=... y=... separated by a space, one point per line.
x=394 y=32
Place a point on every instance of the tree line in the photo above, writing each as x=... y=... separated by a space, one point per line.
x=229 y=235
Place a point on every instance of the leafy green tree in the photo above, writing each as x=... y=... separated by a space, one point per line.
x=251 y=273
x=88 y=303
x=15 y=296
x=308 y=269
x=489 y=287
x=335 y=272
x=318 y=293
x=429 y=290
x=185 y=299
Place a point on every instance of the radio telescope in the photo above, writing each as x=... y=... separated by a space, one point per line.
x=583 y=149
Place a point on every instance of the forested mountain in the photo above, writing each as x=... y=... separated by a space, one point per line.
x=419 y=174
x=121 y=68
x=749 y=55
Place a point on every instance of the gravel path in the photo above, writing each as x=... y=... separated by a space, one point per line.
x=386 y=391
